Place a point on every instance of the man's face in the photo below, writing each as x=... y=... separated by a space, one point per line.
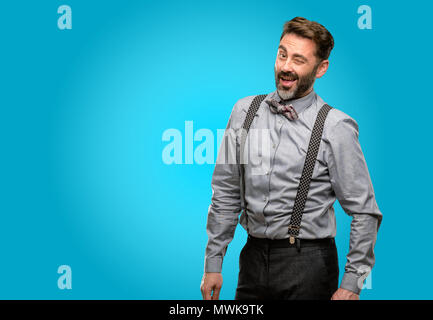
x=296 y=67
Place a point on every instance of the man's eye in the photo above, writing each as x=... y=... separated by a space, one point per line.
x=282 y=55
x=297 y=61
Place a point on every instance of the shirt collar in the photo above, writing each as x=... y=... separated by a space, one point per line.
x=299 y=104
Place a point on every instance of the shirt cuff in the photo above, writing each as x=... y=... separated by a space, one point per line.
x=350 y=282
x=213 y=264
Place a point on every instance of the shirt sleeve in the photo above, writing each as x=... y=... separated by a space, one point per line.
x=225 y=206
x=352 y=185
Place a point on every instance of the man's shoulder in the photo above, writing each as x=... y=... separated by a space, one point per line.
x=336 y=116
x=240 y=110
x=244 y=103
x=338 y=122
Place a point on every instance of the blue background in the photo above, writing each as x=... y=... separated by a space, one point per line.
x=83 y=111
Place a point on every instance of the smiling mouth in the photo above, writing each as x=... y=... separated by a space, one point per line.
x=287 y=82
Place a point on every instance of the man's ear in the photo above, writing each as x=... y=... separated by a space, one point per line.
x=323 y=67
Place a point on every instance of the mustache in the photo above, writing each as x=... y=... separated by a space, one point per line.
x=288 y=75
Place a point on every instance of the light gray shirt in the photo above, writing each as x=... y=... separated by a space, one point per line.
x=340 y=173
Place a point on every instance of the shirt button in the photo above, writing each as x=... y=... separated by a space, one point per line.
x=273 y=146
x=267 y=173
x=264 y=198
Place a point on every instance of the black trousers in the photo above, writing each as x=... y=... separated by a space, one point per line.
x=278 y=270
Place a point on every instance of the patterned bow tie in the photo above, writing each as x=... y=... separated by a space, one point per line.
x=288 y=111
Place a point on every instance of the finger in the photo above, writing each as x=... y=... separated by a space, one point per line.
x=216 y=294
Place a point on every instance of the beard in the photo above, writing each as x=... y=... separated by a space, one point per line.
x=297 y=90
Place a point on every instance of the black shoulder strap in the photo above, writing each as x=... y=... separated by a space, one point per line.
x=252 y=110
x=307 y=173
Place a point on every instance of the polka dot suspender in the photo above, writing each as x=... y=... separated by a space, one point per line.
x=307 y=172
x=252 y=110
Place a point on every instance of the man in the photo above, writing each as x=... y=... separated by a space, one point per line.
x=272 y=264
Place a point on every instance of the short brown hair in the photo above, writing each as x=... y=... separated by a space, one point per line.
x=313 y=31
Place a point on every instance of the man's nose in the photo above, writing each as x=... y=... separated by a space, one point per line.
x=287 y=66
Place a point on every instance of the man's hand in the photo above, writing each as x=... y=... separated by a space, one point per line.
x=211 y=281
x=343 y=294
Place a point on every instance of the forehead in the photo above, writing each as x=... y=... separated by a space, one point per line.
x=296 y=44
